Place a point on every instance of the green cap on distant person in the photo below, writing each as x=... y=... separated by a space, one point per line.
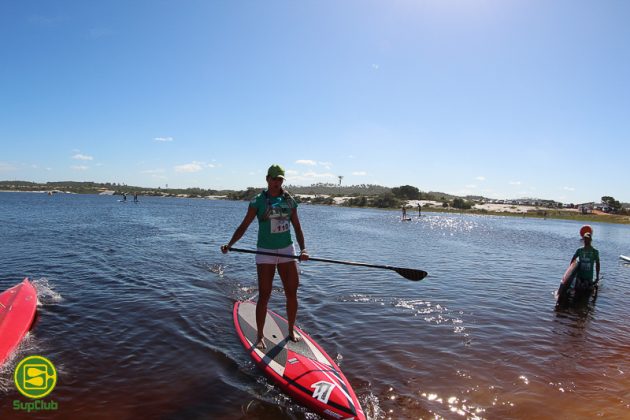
x=275 y=171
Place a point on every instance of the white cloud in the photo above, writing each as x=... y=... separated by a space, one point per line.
x=310 y=177
x=515 y=182
x=80 y=167
x=163 y=139
x=359 y=173
x=568 y=189
x=319 y=175
x=189 y=167
x=154 y=173
x=481 y=178
x=306 y=162
x=80 y=156
x=309 y=162
x=470 y=186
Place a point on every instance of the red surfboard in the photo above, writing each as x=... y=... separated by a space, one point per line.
x=17 y=313
x=302 y=370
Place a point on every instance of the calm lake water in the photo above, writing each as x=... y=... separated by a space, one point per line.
x=136 y=311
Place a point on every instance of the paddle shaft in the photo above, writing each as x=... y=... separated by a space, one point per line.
x=410 y=274
x=297 y=257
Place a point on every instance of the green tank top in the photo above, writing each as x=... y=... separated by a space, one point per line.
x=588 y=258
x=274 y=219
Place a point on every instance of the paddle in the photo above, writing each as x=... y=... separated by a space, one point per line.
x=408 y=273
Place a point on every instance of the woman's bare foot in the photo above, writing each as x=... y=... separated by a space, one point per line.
x=260 y=344
x=295 y=337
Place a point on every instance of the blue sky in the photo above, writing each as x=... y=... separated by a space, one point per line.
x=504 y=98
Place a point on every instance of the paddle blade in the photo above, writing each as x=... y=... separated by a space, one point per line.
x=411 y=274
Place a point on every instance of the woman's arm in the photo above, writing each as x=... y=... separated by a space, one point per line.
x=240 y=231
x=299 y=235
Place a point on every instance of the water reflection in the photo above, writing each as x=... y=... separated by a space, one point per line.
x=147 y=293
x=581 y=309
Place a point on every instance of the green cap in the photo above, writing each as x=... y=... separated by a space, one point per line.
x=276 y=171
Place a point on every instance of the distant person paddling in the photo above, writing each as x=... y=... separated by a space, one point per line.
x=588 y=258
x=276 y=210
x=404 y=212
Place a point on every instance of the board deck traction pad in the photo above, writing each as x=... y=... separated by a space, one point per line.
x=282 y=354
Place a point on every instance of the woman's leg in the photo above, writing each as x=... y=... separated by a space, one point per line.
x=265 y=281
x=290 y=280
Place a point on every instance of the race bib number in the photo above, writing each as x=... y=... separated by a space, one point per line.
x=279 y=225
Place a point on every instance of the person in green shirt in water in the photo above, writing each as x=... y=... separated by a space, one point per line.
x=588 y=258
x=276 y=211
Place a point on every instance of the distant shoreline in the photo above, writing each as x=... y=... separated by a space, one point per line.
x=40 y=191
x=429 y=206
x=506 y=210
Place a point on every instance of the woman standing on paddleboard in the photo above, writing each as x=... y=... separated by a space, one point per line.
x=276 y=210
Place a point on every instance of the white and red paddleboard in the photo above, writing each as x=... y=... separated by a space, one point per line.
x=303 y=370
x=563 y=291
x=17 y=313
x=570 y=272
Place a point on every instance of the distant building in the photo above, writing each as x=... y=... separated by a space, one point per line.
x=586 y=207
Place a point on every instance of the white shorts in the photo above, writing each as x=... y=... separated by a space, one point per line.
x=275 y=259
